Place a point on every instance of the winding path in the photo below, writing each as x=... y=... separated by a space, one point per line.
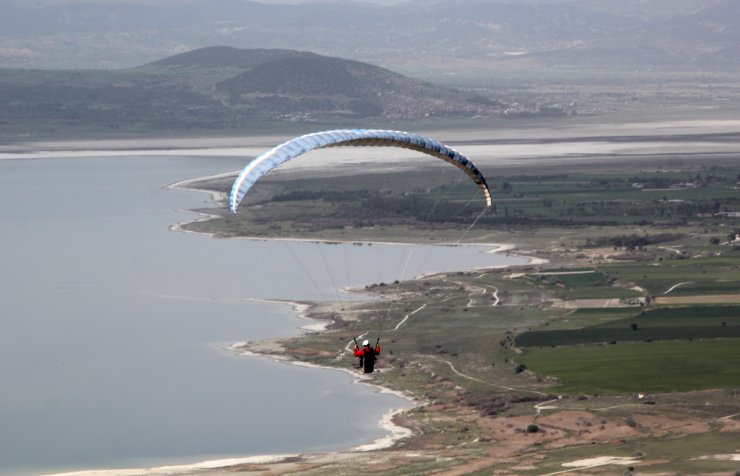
x=406 y=317
x=476 y=379
x=675 y=286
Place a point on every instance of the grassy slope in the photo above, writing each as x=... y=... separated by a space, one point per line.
x=671 y=323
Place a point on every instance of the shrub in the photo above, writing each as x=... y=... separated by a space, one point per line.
x=532 y=428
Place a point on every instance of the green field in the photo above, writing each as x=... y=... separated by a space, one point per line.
x=690 y=322
x=616 y=198
x=585 y=317
x=707 y=288
x=629 y=368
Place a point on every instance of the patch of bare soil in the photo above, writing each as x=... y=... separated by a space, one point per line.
x=729 y=425
x=579 y=427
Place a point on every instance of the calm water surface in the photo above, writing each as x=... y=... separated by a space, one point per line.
x=113 y=326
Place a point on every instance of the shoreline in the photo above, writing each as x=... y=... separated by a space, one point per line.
x=272 y=350
x=302 y=311
x=394 y=432
x=397 y=432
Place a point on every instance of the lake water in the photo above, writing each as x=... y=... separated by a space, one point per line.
x=114 y=327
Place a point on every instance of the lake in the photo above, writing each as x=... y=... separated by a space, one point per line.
x=114 y=327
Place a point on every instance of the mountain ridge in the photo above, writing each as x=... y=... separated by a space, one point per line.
x=274 y=83
x=224 y=87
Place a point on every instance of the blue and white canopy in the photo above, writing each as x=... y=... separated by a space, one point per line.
x=350 y=137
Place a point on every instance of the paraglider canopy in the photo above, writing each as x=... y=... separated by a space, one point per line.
x=351 y=137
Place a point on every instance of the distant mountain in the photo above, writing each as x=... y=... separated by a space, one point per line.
x=225 y=87
x=422 y=37
x=223 y=57
x=279 y=84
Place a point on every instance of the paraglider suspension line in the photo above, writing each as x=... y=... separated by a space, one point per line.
x=480 y=215
x=331 y=276
x=305 y=271
x=398 y=285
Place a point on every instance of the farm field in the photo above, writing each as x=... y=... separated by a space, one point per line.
x=628 y=368
x=670 y=323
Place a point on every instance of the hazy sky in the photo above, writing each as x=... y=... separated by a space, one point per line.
x=635 y=33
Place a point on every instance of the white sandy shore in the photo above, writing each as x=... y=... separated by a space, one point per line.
x=300 y=309
x=565 y=143
x=395 y=432
x=506 y=248
x=190 y=184
x=179 y=469
x=386 y=421
x=486 y=155
x=507 y=130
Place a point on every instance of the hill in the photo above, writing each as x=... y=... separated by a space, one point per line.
x=281 y=84
x=222 y=88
